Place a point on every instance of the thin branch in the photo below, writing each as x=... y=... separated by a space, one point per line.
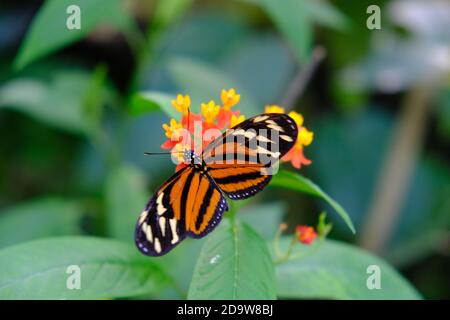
x=302 y=78
x=397 y=169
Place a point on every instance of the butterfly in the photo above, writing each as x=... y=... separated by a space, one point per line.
x=238 y=164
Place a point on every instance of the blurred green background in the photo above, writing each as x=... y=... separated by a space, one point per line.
x=378 y=102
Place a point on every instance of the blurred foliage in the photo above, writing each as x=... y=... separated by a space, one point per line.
x=79 y=107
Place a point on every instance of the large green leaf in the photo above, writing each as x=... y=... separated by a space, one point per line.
x=48 y=31
x=292 y=19
x=234 y=263
x=203 y=83
x=126 y=196
x=338 y=271
x=295 y=181
x=263 y=218
x=108 y=269
x=151 y=101
x=39 y=218
x=60 y=102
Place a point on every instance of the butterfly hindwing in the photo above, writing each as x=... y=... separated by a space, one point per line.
x=239 y=181
x=242 y=159
x=188 y=204
x=205 y=206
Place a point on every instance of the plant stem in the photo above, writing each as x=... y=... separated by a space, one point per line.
x=302 y=78
x=397 y=169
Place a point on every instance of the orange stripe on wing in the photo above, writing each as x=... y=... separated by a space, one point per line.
x=233 y=171
x=199 y=199
x=236 y=187
x=193 y=188
x=212 y=206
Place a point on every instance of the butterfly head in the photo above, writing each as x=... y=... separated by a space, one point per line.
x=191 y=157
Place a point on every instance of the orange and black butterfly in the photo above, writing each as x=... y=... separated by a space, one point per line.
x=236 y=165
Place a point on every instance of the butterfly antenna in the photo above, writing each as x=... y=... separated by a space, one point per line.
x=159 y=153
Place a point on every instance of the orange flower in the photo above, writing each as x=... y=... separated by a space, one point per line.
x=305 y=234
x=296 y=157
x=224 y=118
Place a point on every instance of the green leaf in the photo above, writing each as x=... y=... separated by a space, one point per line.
x=234 y=263
x=94 y=98
x=48 y=31
x=126 y=196
x=326 y=14
x=180 y=265
x=59 y=102
x=263 y=218
x=291 y=18
x=168 y=11
x=108 y=269
x=44 y=217
x=152 y=101
x=204 y=83
x=297 y=182
x=338 y=271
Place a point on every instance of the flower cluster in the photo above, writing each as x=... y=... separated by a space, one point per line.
x=189 y=132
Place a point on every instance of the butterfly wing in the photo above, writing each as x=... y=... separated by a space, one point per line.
x=188 y=204
x=243 y=159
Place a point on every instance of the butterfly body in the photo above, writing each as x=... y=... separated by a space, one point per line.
x=236 y=165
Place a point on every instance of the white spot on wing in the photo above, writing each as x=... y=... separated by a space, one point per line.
x=260 y=118
x=275 y=127
x=157 y=245
x=250 y=134
x=159 y=206
x=263 y=139
x=286 y=138
x=148 y=231
x=162 y=225
x=260 y=149
x=173 y=228
x=143 y=216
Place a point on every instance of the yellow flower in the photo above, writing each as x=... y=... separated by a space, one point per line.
x=297 y=117
x=210 y=111
x=172 y=129
x=274 y=109
x=305 y=137
x=234 y=120
x=229 y=98
x=182 y=103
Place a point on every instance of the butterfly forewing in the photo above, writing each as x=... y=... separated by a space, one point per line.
x=242 y=160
